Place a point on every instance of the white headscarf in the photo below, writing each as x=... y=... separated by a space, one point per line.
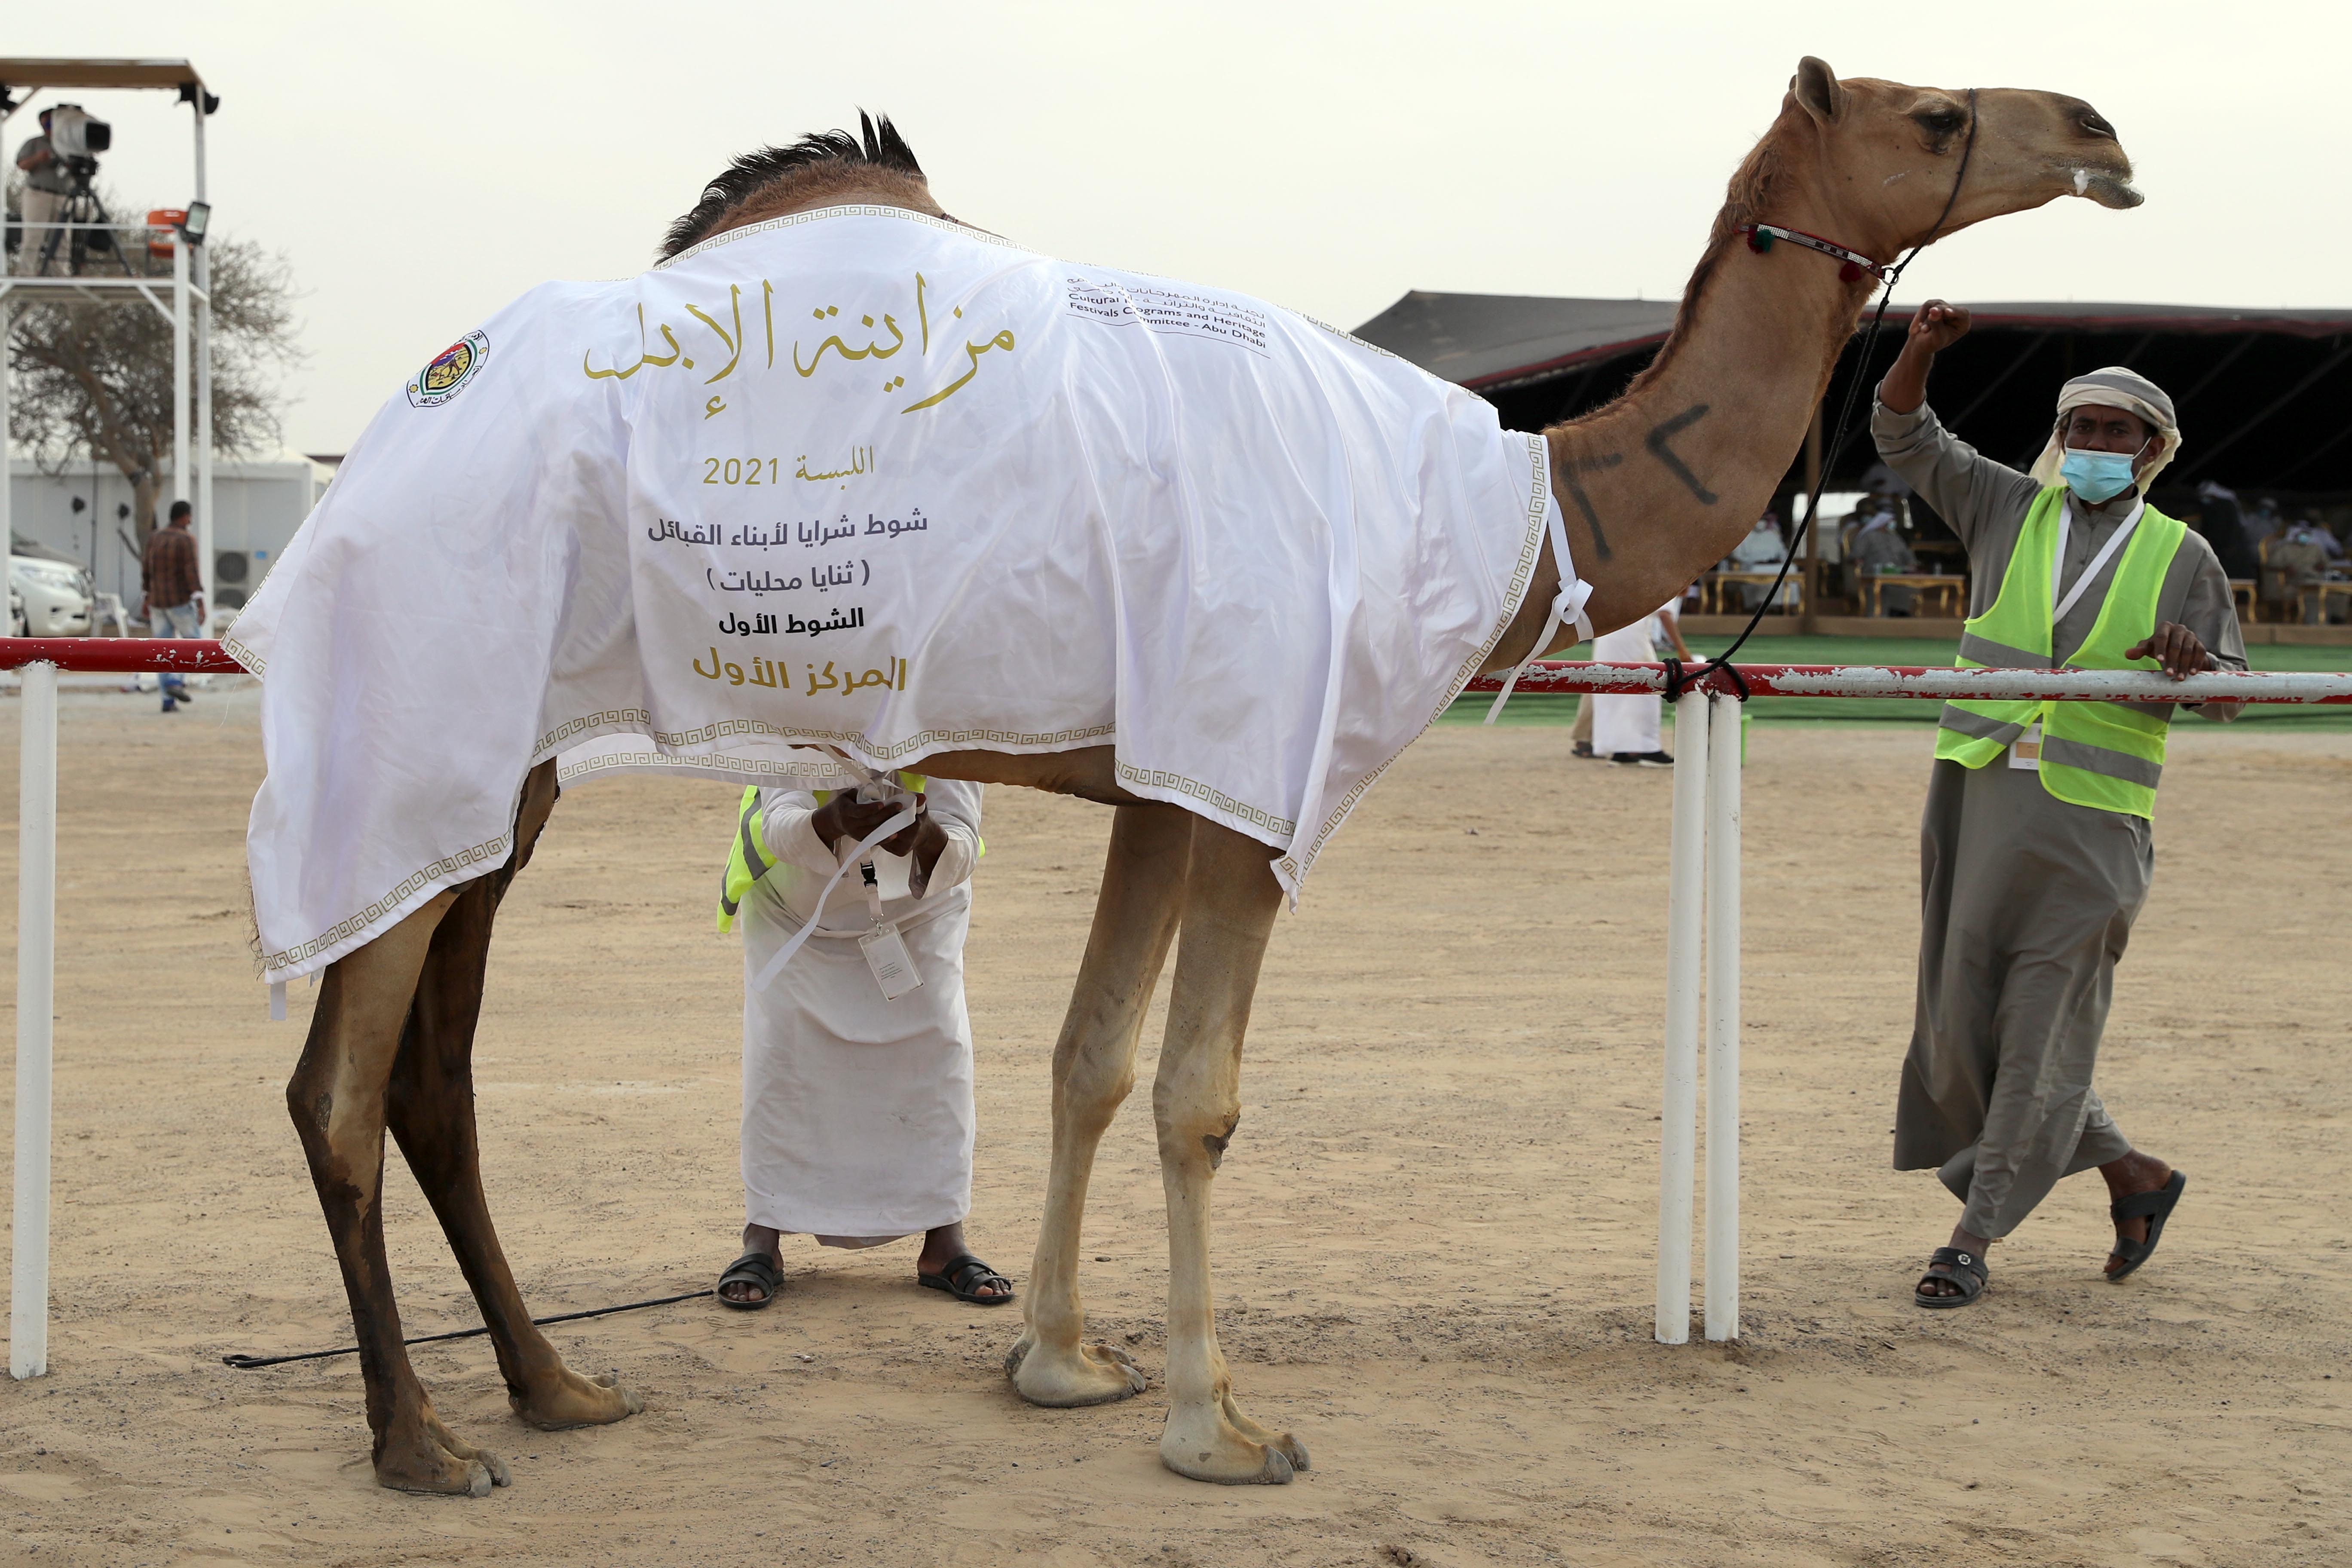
x=2113 y=387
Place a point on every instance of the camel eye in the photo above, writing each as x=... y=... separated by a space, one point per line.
x=1941 y=121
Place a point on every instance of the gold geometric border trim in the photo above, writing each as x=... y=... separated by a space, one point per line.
x=918 y=741
x=1154 y=779
x=493 y=853
x=244 y=655
x=572 y=727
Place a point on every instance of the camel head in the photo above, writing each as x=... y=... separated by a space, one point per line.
x=1876 y=160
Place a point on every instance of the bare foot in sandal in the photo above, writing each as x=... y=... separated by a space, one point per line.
x=2138 y=1225
x=752 y=1280
x=1945 y=1283
x=946 y=1264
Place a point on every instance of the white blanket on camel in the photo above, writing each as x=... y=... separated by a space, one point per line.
x=863 y=479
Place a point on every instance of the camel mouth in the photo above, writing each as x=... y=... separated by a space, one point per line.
x=2109 y=190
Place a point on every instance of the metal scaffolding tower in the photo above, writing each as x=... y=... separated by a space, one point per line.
x=189 y=298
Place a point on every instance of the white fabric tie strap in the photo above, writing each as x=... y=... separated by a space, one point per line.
x=278 y=1001
x=864 y=847
x=2058 y=559
x=1568 y=604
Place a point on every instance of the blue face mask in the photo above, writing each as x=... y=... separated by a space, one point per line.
x=2097 y=477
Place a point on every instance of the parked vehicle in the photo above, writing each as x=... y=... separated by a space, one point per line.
x=49 y=595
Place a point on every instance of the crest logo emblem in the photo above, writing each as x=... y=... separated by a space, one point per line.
x=451 y=369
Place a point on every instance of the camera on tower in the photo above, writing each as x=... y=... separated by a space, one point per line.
x=78 y=137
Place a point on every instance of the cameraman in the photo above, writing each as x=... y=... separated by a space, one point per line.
x=47 y=183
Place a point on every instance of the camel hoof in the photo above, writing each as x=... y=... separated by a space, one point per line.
x=1276 y=1471
x=500 y=1476
x=452 y=1477
x=1096 y=1375
x=631 y=1401
x=576 y=1401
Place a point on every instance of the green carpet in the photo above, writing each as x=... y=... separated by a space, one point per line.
x=1539 y=710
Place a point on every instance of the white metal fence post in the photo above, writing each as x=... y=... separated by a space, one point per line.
x=180 y=472
x=36 y=906
x=1678 y=1118
x=1723 y=1020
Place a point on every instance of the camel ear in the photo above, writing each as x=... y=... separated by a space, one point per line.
x=1818 y=90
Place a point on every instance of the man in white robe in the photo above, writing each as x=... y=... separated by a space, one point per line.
x=858 y=1107
x=1625 y=728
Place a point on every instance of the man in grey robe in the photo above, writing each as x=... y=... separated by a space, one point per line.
x=2028 y=899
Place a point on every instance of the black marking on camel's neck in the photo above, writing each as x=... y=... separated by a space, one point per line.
x=1568 y=471
x=1656 y=442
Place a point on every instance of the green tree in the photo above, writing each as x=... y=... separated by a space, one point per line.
x=94 y=381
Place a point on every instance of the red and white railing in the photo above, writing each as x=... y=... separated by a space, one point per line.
x=1703 y=884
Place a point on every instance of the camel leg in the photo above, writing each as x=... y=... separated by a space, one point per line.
x=1094 y=1068
x=430 y=1108
x=337 y=1100
x=1229 y=909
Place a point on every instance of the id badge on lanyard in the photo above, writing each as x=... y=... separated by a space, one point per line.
x=887 y=955
x=884 y=947
x=2025 y=752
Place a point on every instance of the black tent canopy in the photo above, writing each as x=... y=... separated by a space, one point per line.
x=2264 y=397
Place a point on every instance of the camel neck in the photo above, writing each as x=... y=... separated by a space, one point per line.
x=1660 y=485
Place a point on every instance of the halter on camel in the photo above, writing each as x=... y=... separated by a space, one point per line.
x=1856 y=265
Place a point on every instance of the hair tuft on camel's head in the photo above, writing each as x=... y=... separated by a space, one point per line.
x=822 y=163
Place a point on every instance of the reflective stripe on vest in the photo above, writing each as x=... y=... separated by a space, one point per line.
x=747 y=857
x=747 y=860
x=2108 y=755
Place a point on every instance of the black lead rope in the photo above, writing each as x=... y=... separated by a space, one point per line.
x=1677 y=681
x=246 y=1363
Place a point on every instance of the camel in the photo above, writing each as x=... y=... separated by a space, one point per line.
x=1654 y=487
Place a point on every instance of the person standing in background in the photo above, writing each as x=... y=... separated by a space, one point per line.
x=173 y=591
x=47 y=186
x=1625 y=728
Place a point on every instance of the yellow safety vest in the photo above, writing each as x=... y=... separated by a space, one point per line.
x=2108 y=755
x=747 y=857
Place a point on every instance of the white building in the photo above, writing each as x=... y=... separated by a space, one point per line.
x=85 y=512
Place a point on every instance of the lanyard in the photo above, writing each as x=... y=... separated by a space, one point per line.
x=2106 y=552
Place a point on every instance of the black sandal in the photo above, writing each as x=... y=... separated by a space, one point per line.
x=2155 y=1207
x=1952 y=1267
x=962 y=1276
x=754 y=1268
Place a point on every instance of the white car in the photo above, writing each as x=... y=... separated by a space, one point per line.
x=51 y=597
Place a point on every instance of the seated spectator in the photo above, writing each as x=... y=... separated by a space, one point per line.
x=2298 y=561
x=1880 y=550
x=2327 y=539
x=1762 y=551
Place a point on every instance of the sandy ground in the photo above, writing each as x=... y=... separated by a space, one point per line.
x=1435 y=1232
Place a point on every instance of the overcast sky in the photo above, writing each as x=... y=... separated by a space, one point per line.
x=422 y=163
